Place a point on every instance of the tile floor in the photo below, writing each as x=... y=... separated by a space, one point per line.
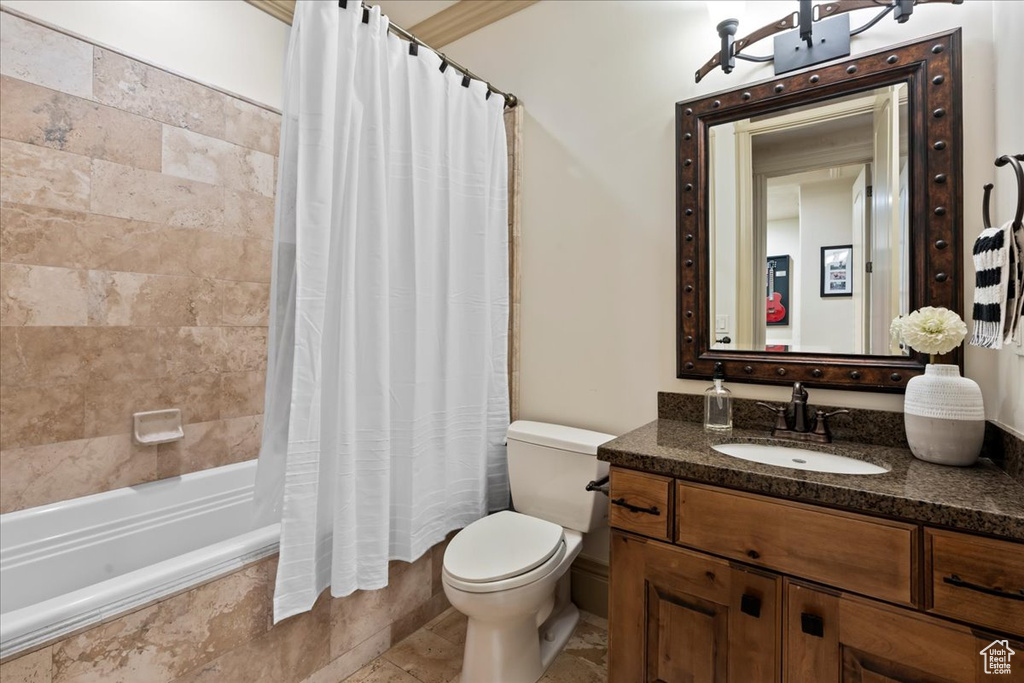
x=434 y=655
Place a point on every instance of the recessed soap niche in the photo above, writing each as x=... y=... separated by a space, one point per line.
x=158 y=426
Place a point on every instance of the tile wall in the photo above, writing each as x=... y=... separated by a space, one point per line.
x=221 y=632
x=136 y=225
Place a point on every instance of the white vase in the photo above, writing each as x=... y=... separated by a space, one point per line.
x=944 y=416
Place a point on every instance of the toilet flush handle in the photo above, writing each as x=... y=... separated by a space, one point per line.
x=600 y=485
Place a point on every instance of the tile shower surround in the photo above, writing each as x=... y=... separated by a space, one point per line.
x=136 y=226
x=221 y=632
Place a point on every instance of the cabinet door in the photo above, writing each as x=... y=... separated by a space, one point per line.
x=836 y=637
x=678 y=616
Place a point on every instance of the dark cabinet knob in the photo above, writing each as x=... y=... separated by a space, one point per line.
x=812 y=625
x=750 y=604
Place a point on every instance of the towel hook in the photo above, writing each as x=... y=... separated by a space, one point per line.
x=986 y=217
x=1014 y=161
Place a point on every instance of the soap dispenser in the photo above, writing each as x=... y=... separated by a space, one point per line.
x=718 y=404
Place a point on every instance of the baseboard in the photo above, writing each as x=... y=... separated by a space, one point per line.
x=590 y=586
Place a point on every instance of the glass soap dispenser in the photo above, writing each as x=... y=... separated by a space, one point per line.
x=718 y=404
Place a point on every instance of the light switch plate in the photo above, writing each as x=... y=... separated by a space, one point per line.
x=721 y=323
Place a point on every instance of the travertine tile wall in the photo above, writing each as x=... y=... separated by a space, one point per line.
x=221 y=632
x=136 y=219
x=514 y=140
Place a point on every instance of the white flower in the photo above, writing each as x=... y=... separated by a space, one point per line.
x=896 y=330
x=930 y=330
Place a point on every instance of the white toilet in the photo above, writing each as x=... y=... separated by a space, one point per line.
x=509 y=572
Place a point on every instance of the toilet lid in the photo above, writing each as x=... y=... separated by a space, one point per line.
x=501 y=546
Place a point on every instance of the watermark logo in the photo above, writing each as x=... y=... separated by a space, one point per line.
x=997 y=657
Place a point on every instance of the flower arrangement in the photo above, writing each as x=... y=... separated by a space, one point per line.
x=930 y=330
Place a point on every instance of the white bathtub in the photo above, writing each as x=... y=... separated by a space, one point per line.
x=73 y=564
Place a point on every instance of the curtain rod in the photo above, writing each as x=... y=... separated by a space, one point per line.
x=510 y=99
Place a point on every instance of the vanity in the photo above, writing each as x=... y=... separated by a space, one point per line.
x=724 y=569
x=811 y=210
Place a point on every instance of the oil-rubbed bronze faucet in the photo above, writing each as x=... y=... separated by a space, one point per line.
x=791 y=421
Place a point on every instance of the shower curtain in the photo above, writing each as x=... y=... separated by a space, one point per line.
x=386 y=400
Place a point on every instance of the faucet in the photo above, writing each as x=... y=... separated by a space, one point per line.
x=791 y=421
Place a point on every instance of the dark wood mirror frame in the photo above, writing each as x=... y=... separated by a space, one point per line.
x=931 y=69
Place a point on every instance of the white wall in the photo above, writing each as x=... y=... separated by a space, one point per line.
x=599 y=81
x=826 y=219
x=725 y=228
x=1008 y=26
x=225 y=43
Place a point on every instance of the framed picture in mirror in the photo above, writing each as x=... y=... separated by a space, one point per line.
x=778 y=303
x=837 y=271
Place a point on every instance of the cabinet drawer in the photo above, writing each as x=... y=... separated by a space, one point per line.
x=641 y=503
x=978 y=580
x=831 y=636
x=874 y=557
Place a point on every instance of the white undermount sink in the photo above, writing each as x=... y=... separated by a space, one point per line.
x=798 y=458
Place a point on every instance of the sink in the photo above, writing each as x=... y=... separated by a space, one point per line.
x=798 y=458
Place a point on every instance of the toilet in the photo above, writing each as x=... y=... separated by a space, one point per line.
x=509 y=572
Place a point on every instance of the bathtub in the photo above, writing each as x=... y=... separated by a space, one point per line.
x=71 y=565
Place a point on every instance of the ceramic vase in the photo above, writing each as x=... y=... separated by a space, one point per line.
x=944 y=416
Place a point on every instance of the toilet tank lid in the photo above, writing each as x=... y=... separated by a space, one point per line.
x=557 y=436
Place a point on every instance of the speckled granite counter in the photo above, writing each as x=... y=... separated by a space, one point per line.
x=982 y=499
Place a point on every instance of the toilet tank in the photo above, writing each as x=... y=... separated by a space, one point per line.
x=549 y=467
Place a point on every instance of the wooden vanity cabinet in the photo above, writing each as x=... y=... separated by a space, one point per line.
x=773 y=590
x=977 y=580
x=861 y=554
x=678 y=615
x=641 y=503
x=830 y=636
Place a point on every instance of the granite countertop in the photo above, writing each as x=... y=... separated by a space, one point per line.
x=982 y=498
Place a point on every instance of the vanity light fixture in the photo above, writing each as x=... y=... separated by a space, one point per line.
x=820 y=32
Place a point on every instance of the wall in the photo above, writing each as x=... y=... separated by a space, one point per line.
x=137 y=218
x=599 y=81
x=230 y=45
x=1008 y=375
x=221 y=632
x=722 y=195
x=826 y=219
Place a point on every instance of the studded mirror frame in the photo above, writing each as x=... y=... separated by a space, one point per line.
x=931 y=69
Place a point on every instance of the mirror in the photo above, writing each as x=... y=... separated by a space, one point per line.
x=814 y=208
x=827 y=230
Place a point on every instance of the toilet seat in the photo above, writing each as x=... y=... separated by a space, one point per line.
x=502 y=551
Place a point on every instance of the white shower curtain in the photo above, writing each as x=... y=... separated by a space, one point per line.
x=387 y=399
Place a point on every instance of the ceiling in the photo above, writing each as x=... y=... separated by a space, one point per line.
x=783 y=197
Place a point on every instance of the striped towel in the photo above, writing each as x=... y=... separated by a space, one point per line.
x=998 y=286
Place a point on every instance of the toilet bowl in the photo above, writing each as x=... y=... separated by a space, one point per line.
x=509 y=572
x=515 y=593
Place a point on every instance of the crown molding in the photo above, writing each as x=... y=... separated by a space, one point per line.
x=282 y=10
x=447 y=26
x=463 y=18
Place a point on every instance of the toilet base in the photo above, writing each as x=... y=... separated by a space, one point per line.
x=513 y=635
x=516 y=653
x=555 y=633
